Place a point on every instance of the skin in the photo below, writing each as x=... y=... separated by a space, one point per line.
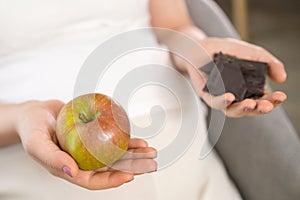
x=173 y=14
x=36 y=130
x=37 y=133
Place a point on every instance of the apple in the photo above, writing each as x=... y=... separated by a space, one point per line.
x=94 y=130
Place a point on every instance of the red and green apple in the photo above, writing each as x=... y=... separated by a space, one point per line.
x=94 y=130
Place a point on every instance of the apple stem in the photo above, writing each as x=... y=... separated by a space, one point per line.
x=83 y=118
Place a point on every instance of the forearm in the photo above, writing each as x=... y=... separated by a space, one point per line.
x=174 y=28
x=187 y=53
x=8 y=133
x=186 y=40
x=191 y=31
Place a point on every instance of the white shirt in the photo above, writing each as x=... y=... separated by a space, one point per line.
x=43 y=45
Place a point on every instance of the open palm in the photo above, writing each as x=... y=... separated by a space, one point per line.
x=36 y=127
x=244 y=50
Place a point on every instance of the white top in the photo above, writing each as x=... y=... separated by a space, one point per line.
x=43 y=45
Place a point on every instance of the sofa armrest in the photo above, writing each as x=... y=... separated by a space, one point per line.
x=208 y=16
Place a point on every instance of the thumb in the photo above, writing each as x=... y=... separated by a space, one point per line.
x=50 y=156
x=63 y=164
x=218 y=102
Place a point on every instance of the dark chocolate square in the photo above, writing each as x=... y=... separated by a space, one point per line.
x=243 y=78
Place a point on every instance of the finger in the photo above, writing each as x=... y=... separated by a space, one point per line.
x=146 y=152
x=276 y=98
x=276 y=69
x=45 y=151
x=137 y=143
x=264 y=106
x=136 y=166
x=243 y=108
x=249 y=51
x=62 y=165
x=101 y=180
x=218 y=102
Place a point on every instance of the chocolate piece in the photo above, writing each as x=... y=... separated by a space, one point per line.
x=254 y=74
x=208 y=67
x=243 y=78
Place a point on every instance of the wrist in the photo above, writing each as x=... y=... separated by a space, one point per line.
x=23 y=111
x=8 y=125
x=193 y=53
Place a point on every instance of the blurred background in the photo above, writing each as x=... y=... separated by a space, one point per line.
x=274 y=25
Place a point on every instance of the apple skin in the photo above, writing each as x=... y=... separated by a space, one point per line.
x=94 y=130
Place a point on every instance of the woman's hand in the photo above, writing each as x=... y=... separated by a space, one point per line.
x=177 y=18
x=36 y=124
x=241 y=49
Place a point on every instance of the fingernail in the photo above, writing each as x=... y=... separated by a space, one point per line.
x=67 y=171
x=278 y=102
x=263 y=112
x=248 y=109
